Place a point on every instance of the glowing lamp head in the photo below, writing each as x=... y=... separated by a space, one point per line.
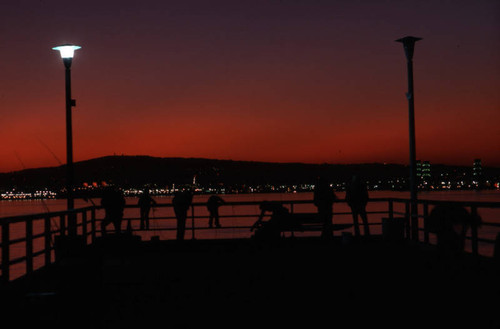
x=67 y=51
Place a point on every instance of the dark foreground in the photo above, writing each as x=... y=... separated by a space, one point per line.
x=309 y=283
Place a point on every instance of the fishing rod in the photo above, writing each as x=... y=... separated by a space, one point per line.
x=50 y=151
x=52 y=221
x=21 y=161
x=61 y=164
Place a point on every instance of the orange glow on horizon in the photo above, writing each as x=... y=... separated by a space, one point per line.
x=324 y=85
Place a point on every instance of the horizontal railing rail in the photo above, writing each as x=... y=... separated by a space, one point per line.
x=52 y=224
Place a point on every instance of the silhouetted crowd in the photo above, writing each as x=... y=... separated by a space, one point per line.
x=324 y=197
x=449 y=222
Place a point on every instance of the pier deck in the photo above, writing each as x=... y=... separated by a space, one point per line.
x=122 y=282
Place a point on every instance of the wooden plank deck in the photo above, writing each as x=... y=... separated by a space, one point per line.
x=122 y=283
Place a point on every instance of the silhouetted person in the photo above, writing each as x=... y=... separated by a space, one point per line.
x=181 y=202
x=213 y=204
x=145 y=203
x=323 y=200
x=271 y=230
x=357 y=197
x=450 y=223
x=113 y=203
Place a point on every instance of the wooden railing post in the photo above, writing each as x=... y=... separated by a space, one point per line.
x=407 y=219
x=192 y=222
x=473 y=232
x=391 y=209
x=73 y=218
x=62 y=224
x=414 y=221
x=29 y=245
x=426 y=224
x=92 y=224
x=48 y=240
x=84 y=226
x=5 y=252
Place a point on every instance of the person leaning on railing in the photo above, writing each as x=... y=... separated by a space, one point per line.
x=271 y=230
x=450 y=223
x=213 y=204
x=113 y=203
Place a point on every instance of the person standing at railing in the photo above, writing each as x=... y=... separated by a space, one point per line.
x=357 y=197
x=145 y=203
x=113 y=203
x=324 y=196
x=181 y=203
x=213 y=204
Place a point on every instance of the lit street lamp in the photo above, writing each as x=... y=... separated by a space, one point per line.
x=67 y=52
x=409 y=45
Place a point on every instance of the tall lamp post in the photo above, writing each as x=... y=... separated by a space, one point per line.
x=67 y=52
x=409 y=45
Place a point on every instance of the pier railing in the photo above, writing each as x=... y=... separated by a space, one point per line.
x=29 y=237
x=28 y=242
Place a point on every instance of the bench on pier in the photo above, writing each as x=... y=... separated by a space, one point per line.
x=309 y=222
x=283 y=222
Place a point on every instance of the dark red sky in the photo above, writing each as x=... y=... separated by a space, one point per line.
x=307 y=81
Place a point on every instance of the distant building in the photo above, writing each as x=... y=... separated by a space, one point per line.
x=477 y=168
x=423 y=173
x=426 y=172
x=477 y=173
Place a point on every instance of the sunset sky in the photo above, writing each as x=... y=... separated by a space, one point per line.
x=281 y=81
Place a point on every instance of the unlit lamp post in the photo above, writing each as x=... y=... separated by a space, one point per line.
x=67 y=52
x=409 y=45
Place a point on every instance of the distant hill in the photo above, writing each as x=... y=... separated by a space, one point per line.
x=136 y=171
